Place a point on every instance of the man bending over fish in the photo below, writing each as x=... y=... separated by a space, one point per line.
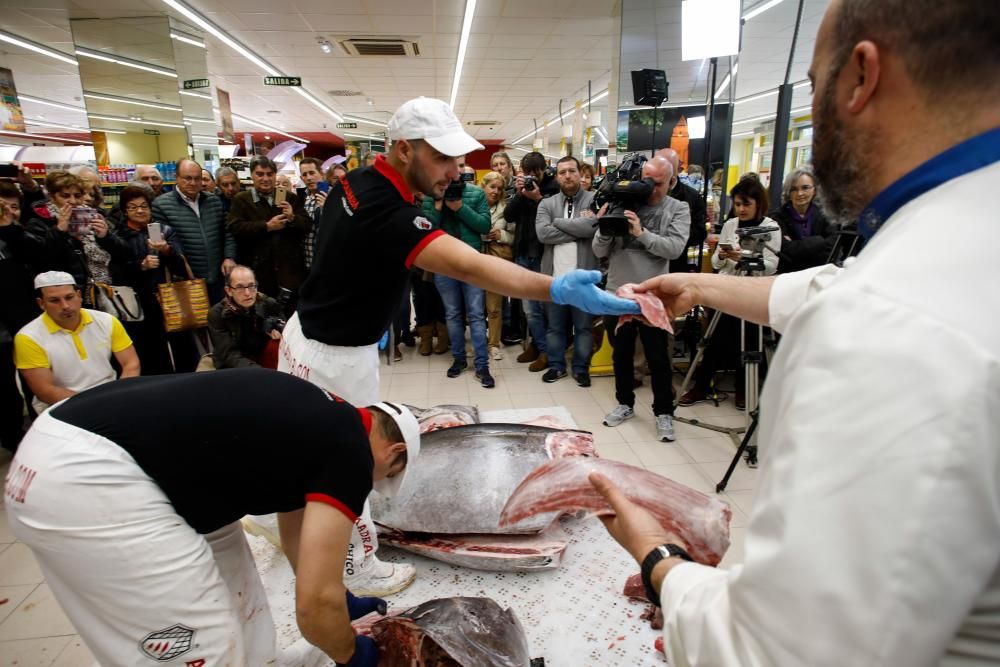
x=137 y=529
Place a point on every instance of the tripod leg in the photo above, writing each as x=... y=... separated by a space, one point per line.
x=721 y=486
x=702 y=346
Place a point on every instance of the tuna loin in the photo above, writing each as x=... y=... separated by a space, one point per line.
x=653 y=312
x=452 y=632
x=465 y=474
x=561 y=485
x=497 y=553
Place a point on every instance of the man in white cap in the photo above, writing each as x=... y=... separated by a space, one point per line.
x=130 y=497
x=372 y=233
x=67 y=349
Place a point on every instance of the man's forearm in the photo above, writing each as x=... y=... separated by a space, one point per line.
x=453 y=258
x=743 y=297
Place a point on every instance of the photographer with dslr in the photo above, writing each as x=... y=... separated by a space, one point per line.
x=750 y=203
x=657 y=233
x=246 y=325
x=532 y=185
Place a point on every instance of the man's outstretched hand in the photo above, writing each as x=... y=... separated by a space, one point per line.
x=676 y=291
x=579 y=289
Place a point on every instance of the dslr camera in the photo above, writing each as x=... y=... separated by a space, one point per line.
x=622 y=190
x=454 y=190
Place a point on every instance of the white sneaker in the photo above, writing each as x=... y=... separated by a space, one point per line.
x=380 y=578
x=265 y=526
x=496 y=354
x=665 y=428
x=619 y=415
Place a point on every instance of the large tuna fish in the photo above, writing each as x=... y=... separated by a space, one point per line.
x=444 y=416
x=452 y=632
x=464 y=476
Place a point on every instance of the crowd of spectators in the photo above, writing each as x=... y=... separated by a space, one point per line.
x=253 y=245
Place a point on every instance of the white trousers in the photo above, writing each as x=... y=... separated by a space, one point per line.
x=352 y=373
x=137 y=582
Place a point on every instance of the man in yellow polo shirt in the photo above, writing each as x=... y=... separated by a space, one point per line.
x=68 y=348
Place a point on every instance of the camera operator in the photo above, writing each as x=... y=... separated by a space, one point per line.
x=246 y=325
x=532 y=185
x=749 y=203
x=657 y=233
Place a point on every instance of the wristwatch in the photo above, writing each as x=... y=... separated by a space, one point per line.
x=650 y=561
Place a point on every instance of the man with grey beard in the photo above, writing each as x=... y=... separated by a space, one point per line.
x=875 y=532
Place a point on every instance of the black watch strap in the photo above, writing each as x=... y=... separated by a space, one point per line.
x=650 y=561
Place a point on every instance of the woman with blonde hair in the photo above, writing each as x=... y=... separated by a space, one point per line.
x=499 y=243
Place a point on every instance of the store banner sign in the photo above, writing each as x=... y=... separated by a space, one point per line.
x=226 y=115
x=10 y=110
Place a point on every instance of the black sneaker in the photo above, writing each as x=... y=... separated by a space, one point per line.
x=552 y=375
x=582 y=379
x=485 y=379
x=457 y=367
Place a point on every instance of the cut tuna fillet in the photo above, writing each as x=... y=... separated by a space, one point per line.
x=497 y=553
x=562 y=485
x=653 y=312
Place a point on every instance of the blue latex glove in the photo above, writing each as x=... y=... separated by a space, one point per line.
x=358 y=607
x=383 y=341
x=579 y=289
x=365 y=653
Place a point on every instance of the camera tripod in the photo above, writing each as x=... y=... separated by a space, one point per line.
x=750 y=359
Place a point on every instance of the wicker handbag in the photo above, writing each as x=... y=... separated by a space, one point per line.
x=184 y=302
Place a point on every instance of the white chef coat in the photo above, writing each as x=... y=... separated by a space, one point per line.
x=875 y=533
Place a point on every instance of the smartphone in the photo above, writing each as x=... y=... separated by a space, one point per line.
x=728 y=247
x=79 y=221
x=9 y=171
x=155 y=233
x=279 y=195
x=323 y=186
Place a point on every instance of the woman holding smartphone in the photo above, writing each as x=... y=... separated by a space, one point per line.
x=152 y=247
x=749 y=205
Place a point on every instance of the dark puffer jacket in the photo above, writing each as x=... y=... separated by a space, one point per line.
x=204 y=237
x=522 y=211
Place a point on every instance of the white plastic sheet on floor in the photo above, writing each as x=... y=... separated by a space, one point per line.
x=574 y=615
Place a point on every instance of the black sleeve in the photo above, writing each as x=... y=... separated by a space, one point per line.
x=404 y=233
x=698 y=219
x=342 y=472
x=512 y=212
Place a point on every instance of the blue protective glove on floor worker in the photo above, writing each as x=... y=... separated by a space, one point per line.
x=365 y=653
x=579 y=289
x=359 y=607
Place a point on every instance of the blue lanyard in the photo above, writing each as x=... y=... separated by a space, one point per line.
x=964 y=158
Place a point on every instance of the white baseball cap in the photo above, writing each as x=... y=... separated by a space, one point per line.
x=53 y=279
x=410 y=428
x=433 y=121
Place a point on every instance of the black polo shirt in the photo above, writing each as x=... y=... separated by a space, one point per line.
x=369 y=237
x=228 y=443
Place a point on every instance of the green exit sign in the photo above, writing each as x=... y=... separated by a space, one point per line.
x=282 y=81
x=190 y=84
x=155 y=133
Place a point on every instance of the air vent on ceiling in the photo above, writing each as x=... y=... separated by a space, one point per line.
x=345 y=93
x=383 y=46
x=483 y=123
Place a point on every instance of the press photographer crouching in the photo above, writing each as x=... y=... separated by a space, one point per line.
x=246 y=325
x=731 y=257
x=657 y=233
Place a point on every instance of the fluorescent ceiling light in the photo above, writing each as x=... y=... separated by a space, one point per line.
x=599 y=96
x=768 y=93
x=666 y=105
x=319 y=105
x=129 y=100
x=602 y=134
x=270 y=128
x=187 y=39
x=29 y=135
x=41 y=122
x=760 y=9
x=709 y=29
x=203 y=96
x=741 y=134
x=120 y=119
x=365 y=120
x=463 y=44
x=725 y=82
x=37 y=48
x=127 y=62
x=370 y=137
x=221 y=35
x=188 y=120
x=50 y=103
x=769 y=116
x=204 y=136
